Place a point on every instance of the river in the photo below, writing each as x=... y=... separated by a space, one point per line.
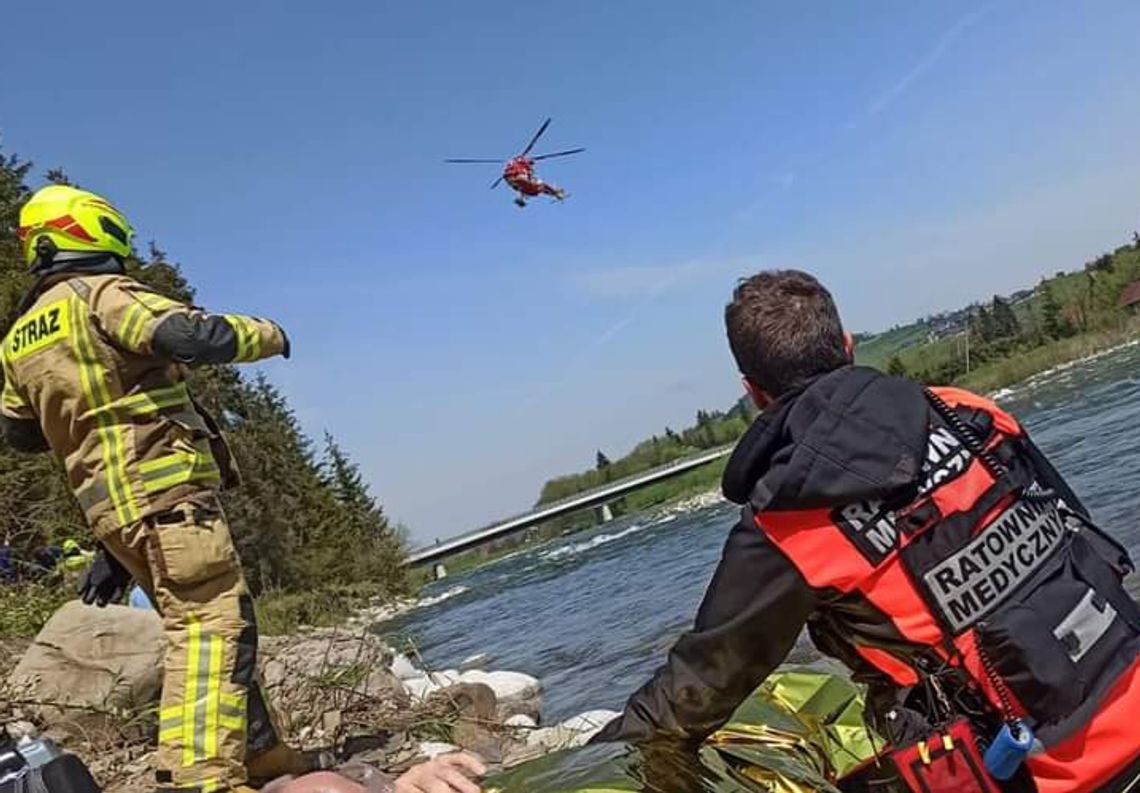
x=593 y=614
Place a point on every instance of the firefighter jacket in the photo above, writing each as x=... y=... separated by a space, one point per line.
x=913 y=532
x=94 y=370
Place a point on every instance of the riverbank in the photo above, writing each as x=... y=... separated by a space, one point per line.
x=997 y=376
x=341 y=692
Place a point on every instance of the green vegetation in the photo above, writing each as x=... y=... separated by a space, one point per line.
x=997 y=343
x=26 y=607
x=712 y=429
x=308 y=531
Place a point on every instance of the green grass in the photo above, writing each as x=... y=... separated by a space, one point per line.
x=280 y=613
x=24 y=608
x=999 y=374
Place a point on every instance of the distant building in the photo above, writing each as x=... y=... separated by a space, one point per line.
x=1130 y=298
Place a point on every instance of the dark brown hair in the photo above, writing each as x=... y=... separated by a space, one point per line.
x=783 y=329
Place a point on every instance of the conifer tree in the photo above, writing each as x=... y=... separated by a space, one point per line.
x=294 y=515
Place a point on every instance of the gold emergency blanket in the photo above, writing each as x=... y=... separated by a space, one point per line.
x=799 y=733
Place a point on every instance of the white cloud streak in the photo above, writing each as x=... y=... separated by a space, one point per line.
x=927 y=62
x=639 y=281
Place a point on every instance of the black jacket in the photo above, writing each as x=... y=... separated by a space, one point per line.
x=849 y=435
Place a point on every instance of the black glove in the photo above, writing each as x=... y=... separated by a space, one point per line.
x=106 y=581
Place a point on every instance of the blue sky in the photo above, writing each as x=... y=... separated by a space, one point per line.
x=914 y=155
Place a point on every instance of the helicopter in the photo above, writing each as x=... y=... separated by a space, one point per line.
x=519 y=172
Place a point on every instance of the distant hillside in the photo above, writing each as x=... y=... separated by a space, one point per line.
x=989 y=344
x=875 y=349
x=710 y=430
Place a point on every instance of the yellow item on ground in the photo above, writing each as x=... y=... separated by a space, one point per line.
x=799 y=733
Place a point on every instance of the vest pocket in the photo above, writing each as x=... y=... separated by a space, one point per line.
x=1065 y=639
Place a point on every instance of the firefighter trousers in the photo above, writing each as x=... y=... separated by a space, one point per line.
x=213 y=713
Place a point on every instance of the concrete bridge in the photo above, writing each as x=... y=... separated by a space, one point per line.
x=598 y=497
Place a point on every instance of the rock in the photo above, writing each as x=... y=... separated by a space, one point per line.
x=506 y=685
x=522 y=721
x=428 y=683
x=475 y=707
x=576 y=731
x=403 y=668
x=473 y=701
x=516 y=693
x=22 y=729
x=477 y=661
x=433 y=749
x=107 y=660
x=591 y=722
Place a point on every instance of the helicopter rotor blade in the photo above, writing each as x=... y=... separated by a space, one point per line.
x=557 y=154
x=468 y=159
x=496 y=183
x=534 y=140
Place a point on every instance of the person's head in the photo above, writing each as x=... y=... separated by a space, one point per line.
x=784 y=329
x=64 y=228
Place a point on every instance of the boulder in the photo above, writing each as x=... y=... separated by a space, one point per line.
x=521 y=721
x=420 y=688
x=89 y=666
x=576 y=731
x=403 y=668
x=516 y=693
x=506 y=685
x=474 y=706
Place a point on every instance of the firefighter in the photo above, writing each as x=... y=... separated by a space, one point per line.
x=94 y=371
x=926 y=543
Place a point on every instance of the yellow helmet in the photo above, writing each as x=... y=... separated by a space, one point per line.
x=59 y=218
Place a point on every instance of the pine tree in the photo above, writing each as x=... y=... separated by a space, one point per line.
x=294 y=515
x=1004 y=320
x=982 y=325
x=1051 y=321
x=895 y=367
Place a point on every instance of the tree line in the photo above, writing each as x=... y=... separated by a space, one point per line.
x=712 y=428
x=1062 y=306
x=303 y=519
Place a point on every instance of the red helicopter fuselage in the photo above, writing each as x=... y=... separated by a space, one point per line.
x=519 y=174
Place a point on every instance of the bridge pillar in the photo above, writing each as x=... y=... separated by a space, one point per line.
x=604 y=513
x=438 y=571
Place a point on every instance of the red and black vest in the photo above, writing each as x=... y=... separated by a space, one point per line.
x=984 y=570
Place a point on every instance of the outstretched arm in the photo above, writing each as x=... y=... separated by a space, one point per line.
x=140 y=320
x=751 y=615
